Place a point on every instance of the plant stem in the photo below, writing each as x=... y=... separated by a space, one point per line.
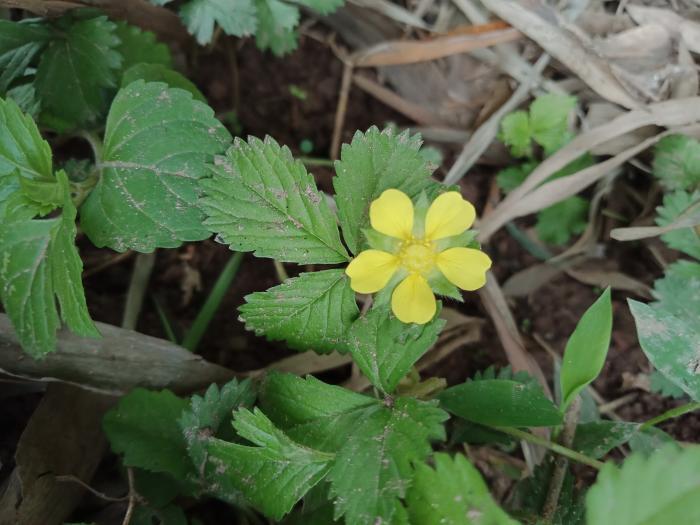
x=211 y=305
x=143 y=266
x=670 y=414
x=554 y=447
x=95 y=144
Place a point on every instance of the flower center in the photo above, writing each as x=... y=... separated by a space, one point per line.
x=417 y=256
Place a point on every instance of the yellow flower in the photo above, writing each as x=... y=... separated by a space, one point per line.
x=419 y=251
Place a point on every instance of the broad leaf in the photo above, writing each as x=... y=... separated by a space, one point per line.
x=374 y=467
x=677 y=162
x=375 y=161
x=452 y=493
x=20 y=43
x=276 y=23
x=686 y=240
x=311 y=312
x=670 y=343
x=143 y=427
x=273 y=475
x=157 y=145
x=659 y=490
x=501 y=402
x=236 y=17
x=261 y=199
x=161 y=73
x=586 y=349
x=75 y=70
x=385 y=349
x=597 y=438
x=137 y=47
x=516 y=134
x=549 y=120
x=556 y=224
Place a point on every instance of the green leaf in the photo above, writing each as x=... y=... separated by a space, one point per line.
x=274 y=475
x=261 y=199
x=324 y=7
x=276 y=23
x=686 y=240
x=597 y=438
x=662 y=385
x=236 y=17
x=157 y=143
x=25 y=97
x=513 y=176
x=40 y=265
x=311 y=312
x=375 y=161
x=670 y=343
x=549 y=116
x=161 y=73
x=137 y=47
x=677 y=162
x=586 y=349
x=374 y=467
x=516 y=133
x=501 y=402
x=650 y=440
x=75 y=70
x=556 y=224
x=143 y=427
x=453 y=493
x=385 y=349
x=659 y=490
x=20 y=43
x=678 y=292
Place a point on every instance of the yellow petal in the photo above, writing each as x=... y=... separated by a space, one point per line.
x=392 y=214
x=464 y=267
x=448 y=215
x=371 y=270
x=413 y=300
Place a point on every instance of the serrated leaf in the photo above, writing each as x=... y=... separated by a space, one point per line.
x=235 y=17
x=517 y=134
x=501 y=402
x=586 y=349
x=157 y=145
x=78 y=66
x=276 y=23
x=161 y=73
x=662 y=385
x=374 y=467
x=677 y=162
x=143 y=427
x=453 y=493
x=671 y=344
x=556 y=224
x=513 y=176
x=649 y=440
x=376 y=161
x=385 y=349
x=678 y=292
x=261 y=199
x=661 y=489
x=138 y=47
x=597 y=438
x=25 y=97
x=273 y=475
x=40 y=265
x=311 y=312
x=549 y=119
x=20 y=43
x=686 y=240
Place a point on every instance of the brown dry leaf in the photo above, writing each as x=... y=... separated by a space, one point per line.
x=683 y=29
x=530 y=279
x=306 y=363
x=600 y=113
x=690 y=218
x=191 y=282
x=616 y=280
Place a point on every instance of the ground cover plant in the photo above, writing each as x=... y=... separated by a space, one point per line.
x=393 y=330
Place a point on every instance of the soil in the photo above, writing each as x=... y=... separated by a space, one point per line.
x=258 y=90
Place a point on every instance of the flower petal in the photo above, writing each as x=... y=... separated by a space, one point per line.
x=413 y=300
x=392 y=214
x=371 y=270
x=448 y=215
x=464 y=267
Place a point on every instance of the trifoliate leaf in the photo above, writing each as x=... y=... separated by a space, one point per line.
x=661 y=489
x=276 y=23
x=686 y=240
x=453 y=493
x=513 y=176
x=138 y=47
x=597 y=438
x=273 y=475
x=236 y=17
x=157 y=145
x=40 y=266
x=671 y=344
x=261 y=199
x=678 y=292
x=556 y=224
x=161 y=73
x=677 y=162
x=311 y=312
x=374 y=467
x=75 y=70
x=516 y=133
x=143 y=427
x=375 y=161
x=385 y=349
x=662 y=385
x=20 y=42
x=549 y=115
